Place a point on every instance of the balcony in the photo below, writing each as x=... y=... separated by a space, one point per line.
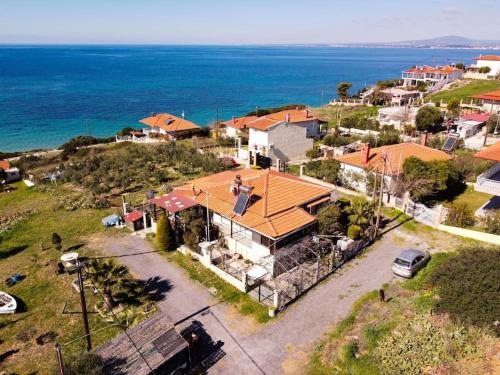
x=489 y=181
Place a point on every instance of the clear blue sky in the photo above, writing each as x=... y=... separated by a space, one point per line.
x=243 y=22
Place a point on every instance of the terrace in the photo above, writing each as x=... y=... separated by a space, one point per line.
x=489 y=181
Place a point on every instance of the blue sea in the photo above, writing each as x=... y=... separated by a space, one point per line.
x=49 y=94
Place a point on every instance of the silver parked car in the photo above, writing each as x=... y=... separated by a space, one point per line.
x=409 y=262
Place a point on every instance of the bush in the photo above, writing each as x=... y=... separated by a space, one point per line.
x=268 y=111
x=460 y=215
x=484 y=69
x=354 y=232
x=467 y=285
x=492 y=222
x=331 y=220
x=56 y=241
x=165 y=237
x=427 y=118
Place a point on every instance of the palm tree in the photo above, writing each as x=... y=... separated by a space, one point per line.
x=107 y=275
x=360 y=212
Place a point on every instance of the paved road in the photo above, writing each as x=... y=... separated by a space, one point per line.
x=265 y=349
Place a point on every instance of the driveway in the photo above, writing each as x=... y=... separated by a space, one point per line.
x=273 y=347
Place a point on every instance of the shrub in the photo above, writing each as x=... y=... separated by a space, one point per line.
x=313 y=153
x=268 y=111
x=165 y=237
x=453 y=107
x=484 y=69
x=492 y=222
x=56 y=241
x=427 y=117
x=467 y=285
x=460 y=215
x=354 y=232
x=331 y=220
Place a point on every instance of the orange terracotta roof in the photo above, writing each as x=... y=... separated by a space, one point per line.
x=491 y=95
x=490 y=153
x=488 y=58
x=395 y=155
x=275 y=212
x=239 y=122
x=4 y=164
x=447 y=69
x=296 y=115
x=169 y=123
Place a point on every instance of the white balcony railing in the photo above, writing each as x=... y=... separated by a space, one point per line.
x=489 y=181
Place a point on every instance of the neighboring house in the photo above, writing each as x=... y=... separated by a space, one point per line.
x=237 y=126
x=470 y=124
x=486 y=61
x=357 y=166
x=397 y=116
x=489 y=182
x=134 y=220
x=13 y=174
x=436 y=77
x=285 y=135
x=399 y=96
x=170 y=127
x=258 y=212
x=490 y=101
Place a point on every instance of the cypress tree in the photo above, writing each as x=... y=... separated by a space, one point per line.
x=165 y=235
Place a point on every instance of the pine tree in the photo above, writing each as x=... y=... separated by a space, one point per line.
x=165 y=235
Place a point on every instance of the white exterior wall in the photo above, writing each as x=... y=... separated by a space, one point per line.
x=357 y=177
x=493 y=65
x=258 y=138
x=13 y=174
x=231 y=132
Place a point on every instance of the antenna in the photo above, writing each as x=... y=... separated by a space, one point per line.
x=182 y=114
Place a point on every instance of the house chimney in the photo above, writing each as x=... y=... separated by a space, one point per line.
x=367 y=153
x=236 y=185
x=234 y=120
x=307 y=112
x=423 y=140
x=287 y=117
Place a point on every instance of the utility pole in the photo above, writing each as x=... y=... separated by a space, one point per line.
x=381 y=196
x=84 y=308
x=59 y=359
x=208 y=217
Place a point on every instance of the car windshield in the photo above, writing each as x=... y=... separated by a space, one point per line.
x=402 y=263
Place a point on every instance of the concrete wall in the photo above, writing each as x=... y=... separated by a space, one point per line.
x=231 y=132
x=493 y=65
x=289 y=142
x=475 y=235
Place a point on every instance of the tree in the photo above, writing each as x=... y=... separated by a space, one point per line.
x=329 y=170
x=453 y=107
x=343 y=89
x=56 y=241
x=107 y=274
x=3 y=177
x=165 y=235
x=460 y=66
x=427 y=117
x=484 y=69
x=359 y=212
x=330 y=220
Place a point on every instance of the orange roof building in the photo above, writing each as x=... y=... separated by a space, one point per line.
x=369 y=160
x=489 y=100
x=489 y=181
x=169 y=125
x=237 y=126
x=279 y=205
x=490 y=153
x=288 y=116
x=431 y=75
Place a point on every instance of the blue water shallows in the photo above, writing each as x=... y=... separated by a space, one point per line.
x=50 y=94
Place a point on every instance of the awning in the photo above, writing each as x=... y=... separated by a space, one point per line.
x=173 y=202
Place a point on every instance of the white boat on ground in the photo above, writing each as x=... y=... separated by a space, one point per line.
x=8 y=304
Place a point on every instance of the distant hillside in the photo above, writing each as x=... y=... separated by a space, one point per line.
x=441 y=42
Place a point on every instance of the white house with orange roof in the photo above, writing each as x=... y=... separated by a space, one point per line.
x=237 y=126
x=489 y=181
x=257 y=212
x=285 y=135
x=167 y=126
x=475 y=71
x=437 y=77
x=387 y=160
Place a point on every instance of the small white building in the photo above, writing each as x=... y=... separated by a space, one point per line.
x=397 y=116
x=487 y=61
x=399 y=96
x=13 y=174
x=436 y=77
x=285 y=135
x=237 y=127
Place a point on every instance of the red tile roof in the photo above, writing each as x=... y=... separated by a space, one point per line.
x=491 y=95
x=173 y=202
x=169 y=123
x=293 y=116
x=133 y=216
x=447 y=69
x=4 y=164
x=276 y=211
x=239 y=122
x=395 y=156
x=479 y=117
x=490 y=153
x=488 y=58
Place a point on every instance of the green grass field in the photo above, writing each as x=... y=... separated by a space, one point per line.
x=27 y=249
x=463 y=92
x=472 y=198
